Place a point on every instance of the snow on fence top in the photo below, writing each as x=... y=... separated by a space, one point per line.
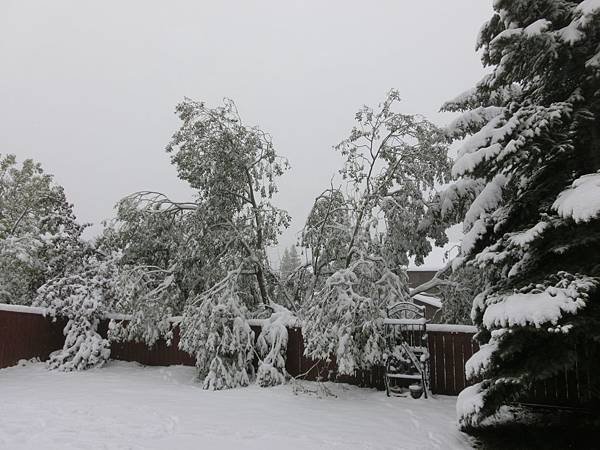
x=23 y=309
x=451 y=328
x=404 y=321
x=257 y=322
x=442 y=328
x=43 y=311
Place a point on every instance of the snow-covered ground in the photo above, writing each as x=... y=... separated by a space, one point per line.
x=128 y=406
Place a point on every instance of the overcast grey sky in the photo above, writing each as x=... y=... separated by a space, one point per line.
x=89 y=88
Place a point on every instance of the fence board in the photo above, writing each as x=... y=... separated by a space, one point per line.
x=26 y=336
x=439 y=364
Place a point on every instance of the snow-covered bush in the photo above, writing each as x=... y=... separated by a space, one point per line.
x=215 y=329
x=271 y=345
x=345 y=319
x=82 y=298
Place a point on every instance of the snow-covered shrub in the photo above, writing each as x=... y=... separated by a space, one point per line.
x=272 y=346
x=83 y=298
x=345 y=318
x=215 y=329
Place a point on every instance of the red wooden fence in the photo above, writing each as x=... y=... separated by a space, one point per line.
x=160 y=354
x=26 y=333
x=449 y=348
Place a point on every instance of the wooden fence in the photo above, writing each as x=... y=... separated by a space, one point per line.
x=25 y=333
x=160 y=354
x=450 y=346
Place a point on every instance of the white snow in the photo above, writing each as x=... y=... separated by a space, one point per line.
x=451 y=328
x=271 y=344
x=468 y=404
x=44 y=311
x=471 y=237
x=118 y=316
x=404 y=321
x=587 y=9
x=127 y=406
x=473 y=118
x=532 y=308
x=573 y=33
x=589 y=6
x=257 y=322
x=429 y=300
x=480 y=360
x=23 y=309
x=581 y=201
x=524 y=238
x=537 y=27
x=488 y=199
x=483 y=145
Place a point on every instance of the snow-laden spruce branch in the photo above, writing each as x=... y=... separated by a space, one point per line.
x=529 y=143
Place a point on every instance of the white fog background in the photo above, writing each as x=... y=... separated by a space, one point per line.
x=89 y=88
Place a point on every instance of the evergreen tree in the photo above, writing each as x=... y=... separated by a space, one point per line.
x=531 y=155
x=290 y=261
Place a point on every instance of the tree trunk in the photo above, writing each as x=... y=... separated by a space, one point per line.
x=260 y=273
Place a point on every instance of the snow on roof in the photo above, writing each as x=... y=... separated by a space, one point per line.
x=429 y=300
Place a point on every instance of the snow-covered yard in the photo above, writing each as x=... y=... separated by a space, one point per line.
x=128 y=406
